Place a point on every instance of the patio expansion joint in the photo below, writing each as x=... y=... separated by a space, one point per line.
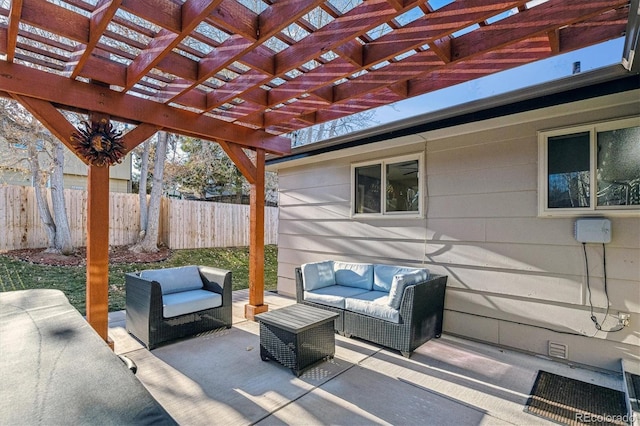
x=358 y=364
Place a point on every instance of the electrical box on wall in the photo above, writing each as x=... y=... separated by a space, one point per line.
x=593 y=230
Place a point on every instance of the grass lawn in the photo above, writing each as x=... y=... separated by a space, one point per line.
x=19 y=275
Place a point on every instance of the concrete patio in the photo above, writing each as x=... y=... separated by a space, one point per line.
x=219 y=378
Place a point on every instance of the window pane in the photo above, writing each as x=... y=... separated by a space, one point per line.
x=568 y=168
x=402 y=187
x=367 y=196
x=618 y=174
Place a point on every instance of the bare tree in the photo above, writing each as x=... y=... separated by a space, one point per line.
x=149 y=241
x=31 y=147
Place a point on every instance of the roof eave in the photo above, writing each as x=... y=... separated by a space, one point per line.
x=525 y=99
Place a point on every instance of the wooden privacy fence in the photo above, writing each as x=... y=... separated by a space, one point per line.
x=183 y=224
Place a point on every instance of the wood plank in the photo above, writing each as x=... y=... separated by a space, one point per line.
x=192 y=13
x=56 y=19
x=13 y=27
x=100 y=18
x=166 y=14
x=538 y=20
x=433 y=26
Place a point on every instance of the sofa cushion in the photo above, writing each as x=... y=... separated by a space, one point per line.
x=373 y=304
x=318 y=275
x=359 y=275
x=332 y=295
x=188 y=302
x=173 y=280
x=400 y=282
x=383 y=275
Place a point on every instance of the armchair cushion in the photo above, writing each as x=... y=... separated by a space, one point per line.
x=174 y=280
x=187 y=302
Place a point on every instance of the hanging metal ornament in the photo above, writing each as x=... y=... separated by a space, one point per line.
x=99 y=143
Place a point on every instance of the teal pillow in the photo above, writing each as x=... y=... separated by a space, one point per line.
x=400 y=282
x=358 y=275
x=174 y=280
x=317 y=275
x=383 y=275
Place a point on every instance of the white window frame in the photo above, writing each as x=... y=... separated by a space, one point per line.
x=543 y=177
x=383 y=163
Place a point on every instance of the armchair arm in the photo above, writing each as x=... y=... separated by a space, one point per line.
x=423 y=303
x=144 y=305
x=218 y=281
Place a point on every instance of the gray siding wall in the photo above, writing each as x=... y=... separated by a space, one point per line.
x=514 y=279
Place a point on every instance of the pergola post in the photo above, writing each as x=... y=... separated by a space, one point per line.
x=256 y=242
x=98 y=250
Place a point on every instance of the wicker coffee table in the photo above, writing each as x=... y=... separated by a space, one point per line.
x=297 y=336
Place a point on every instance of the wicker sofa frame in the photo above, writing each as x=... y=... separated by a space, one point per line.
x=421 y=316
x=144 y=311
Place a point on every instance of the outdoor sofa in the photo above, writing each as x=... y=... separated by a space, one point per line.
x=163 y=305
x=56 y=370
x=394 y=306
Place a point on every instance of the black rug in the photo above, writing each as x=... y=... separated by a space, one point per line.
x=572 y=402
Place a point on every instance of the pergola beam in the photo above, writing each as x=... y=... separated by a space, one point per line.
x=74 y=94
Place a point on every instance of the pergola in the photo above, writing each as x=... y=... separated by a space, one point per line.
x=243 y=73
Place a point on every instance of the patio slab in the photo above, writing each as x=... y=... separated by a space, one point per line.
x=219 y=378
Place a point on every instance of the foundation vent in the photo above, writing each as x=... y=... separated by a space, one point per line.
x=558 y=350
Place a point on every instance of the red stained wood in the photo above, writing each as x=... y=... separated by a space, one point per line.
x=228 y=91
x=244 y=163
x=256 y=237
x=280 y=15
x=56 y=19
x=98 y=250
x=450 y=18
x=19 y=79
x=166 y=14
x=12 y=29
x=51 y=118
x=104 y=13
x=538 y=20
x=138 y=135
x=235 y=18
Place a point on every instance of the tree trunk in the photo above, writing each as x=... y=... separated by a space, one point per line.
x=142 y=189
x=41 y=201
x=149 y=243
x=63 y=234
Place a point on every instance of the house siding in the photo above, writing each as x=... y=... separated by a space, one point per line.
x=515 y=279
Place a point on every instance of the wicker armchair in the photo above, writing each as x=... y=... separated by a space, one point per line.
x=144 y=309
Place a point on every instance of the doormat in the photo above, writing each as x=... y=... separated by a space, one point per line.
x=572 y=402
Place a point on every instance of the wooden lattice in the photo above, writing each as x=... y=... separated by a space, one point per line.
x=248 y=71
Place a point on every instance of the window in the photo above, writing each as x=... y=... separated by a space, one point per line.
x=387 y=187
x=592 y=168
